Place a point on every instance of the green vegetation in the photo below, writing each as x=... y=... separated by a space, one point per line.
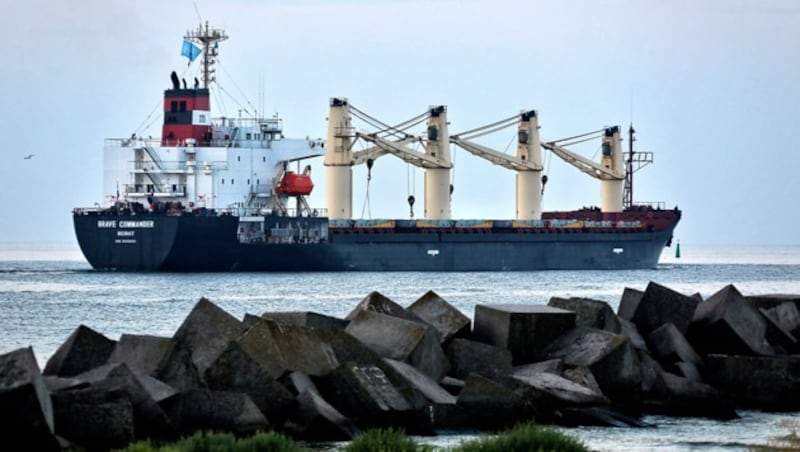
x=523 y=437
x=222 y=442
x=526 y=437
x=385 y=440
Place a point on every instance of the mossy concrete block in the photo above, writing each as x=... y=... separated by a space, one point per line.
x=726 y=324
x=26 y=410
x=589 y=312
x=657 y=306
x=140 y=352
x=468 y=357
x=525 y=330
x=83 y=350
x=448 y=321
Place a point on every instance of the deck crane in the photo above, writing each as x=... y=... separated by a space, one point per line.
x=340 y=158
x=527 y=163
x=610 y=170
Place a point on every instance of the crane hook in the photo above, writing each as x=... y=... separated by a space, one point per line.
x=411 y=205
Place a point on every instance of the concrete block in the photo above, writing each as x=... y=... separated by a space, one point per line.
x=206 y=332
x=787 y=315
x=689 y=398
x=448 y=321
x=317 y=420
x=26 y=410
x=522 y=329
x=306 y=318
x=489 y=404
x=726 y=324
x=468 y=357
x=236 y=371
x=562 y=390
x=757 y=382
x=142 y=353
x=688 y=370
x=204 y=409
x=149 y=419
x=611 y=358
x=627 y=328
x=781 y=340
x=669 y=346
x=365 y=394
x=178 y=370
x=84 y=349
x=769 y=301
x=657 y=306
x=402 y=340
x=421 y=383
x=377 y=302
x=554 y=366
x=592 y=313
x=629 y=303
x=94 y=418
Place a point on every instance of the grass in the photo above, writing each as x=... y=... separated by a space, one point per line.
x=222 y=442
x=526 y=437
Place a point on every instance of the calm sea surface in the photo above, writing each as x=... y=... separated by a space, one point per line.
x=46 y=291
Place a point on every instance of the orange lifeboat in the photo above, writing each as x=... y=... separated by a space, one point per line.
x=293 y=184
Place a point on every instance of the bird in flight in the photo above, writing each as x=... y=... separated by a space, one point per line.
x=29 y=156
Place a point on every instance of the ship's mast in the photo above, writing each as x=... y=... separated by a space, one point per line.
x=627 y=201
x=209 y=39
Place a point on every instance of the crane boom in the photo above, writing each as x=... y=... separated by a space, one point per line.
x=373 y=152
x=584 y=164
x=407 y=155
x=498 y=158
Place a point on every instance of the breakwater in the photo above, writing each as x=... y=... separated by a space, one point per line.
x=573 y=361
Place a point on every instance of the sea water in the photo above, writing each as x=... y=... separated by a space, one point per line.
x=47 y=291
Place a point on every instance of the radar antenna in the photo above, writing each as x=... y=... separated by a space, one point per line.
x=209 y=39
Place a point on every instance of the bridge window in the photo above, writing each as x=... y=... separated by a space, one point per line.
x=183 y=105
x=173 y=106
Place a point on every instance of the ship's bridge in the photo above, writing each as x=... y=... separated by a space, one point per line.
x=250 y=132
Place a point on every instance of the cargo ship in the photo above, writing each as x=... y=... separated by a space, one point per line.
x=228 y=194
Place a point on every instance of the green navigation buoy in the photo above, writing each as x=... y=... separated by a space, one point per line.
x=678 y=250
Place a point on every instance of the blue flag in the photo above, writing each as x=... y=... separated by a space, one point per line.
x=189 y=50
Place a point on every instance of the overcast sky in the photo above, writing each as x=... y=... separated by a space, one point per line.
x=712 y=87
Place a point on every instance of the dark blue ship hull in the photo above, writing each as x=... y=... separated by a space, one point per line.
x=209 y=243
